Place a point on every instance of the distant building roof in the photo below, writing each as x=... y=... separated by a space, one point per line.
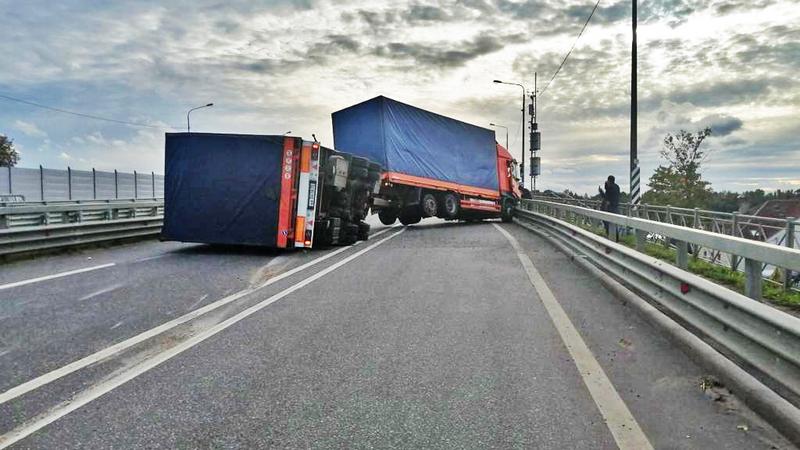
x=779 y=209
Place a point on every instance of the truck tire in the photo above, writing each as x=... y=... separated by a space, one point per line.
x=387 y=216
x=360 y=173
x=410 y=218
x=451 y=206
x=349 y=234
x=358 y=161
x=430 y=207
x=363 y=231
x=507 y=212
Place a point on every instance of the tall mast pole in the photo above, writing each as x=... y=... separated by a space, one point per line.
x=634 y=158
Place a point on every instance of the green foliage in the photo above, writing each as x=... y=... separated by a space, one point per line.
x=680 y=182
x=8 y=156
x=731 y=279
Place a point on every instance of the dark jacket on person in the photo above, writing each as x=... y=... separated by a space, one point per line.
x=611 y=196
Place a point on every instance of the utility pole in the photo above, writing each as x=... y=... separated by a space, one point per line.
x=536 y=136
x=634 y=159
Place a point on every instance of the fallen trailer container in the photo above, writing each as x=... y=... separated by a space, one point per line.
x=270 y=191
x=434 y=165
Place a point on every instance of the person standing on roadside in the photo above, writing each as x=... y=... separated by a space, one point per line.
x=610 y=199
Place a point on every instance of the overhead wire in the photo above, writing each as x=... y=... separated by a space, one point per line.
x=79 y=114
x=564 y=61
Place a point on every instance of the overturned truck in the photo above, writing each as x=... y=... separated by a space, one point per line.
x=260 y=190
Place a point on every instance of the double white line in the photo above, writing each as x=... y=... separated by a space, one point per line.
x=122 y=377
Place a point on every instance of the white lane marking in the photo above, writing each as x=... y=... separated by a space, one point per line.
x=117 y=324
x=124 y=376
x=101 y=292
x=49 y=377
x=55 y=275
x=199 y=300
x=623 y=426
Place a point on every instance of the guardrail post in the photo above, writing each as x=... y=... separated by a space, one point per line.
x=41 y=181
x=682 y=254
x=752 y=278
x=135 y=185
x=69 y=183
x=94 y=184
x=697 y=223
x=669 y=214
x=641 y=240
x=116 y=184
x=10 y=190
x=153 y=183
x=789 y=237
x=734 y=226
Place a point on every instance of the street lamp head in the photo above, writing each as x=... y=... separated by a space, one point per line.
x=492 y=125
x=210 y=104
x=497 y=81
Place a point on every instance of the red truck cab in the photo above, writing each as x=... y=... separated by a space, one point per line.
x=509 y=184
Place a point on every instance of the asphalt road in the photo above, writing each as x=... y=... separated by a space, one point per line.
x=430 y=336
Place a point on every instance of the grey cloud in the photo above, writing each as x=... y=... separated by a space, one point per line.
x=716 y=93
x=334 y=44
x=478 y=5
x=620 y=10
x=425 y=13
x=729 y=6
x=527 y=9
x=721 y=124
x=440 y=56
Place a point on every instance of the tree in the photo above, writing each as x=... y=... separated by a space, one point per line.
x=8 y=156
x=680 y=182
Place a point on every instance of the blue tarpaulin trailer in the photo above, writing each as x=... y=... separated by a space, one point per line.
x=412 y=141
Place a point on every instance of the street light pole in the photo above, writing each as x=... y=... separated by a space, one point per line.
x=522 y=163
x=188 y=124
x=501 y=126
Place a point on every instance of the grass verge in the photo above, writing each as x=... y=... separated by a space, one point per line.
x=724 y=276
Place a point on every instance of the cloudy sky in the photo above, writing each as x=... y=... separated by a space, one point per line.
x=272 y=66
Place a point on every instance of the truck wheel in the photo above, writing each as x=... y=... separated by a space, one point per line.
x=507 y=213
x=349 y=234
x=387 y=216
x=410 y=218
x=451 y=206
x=429 y=205
x=363 y=231
x=358 y=161
x=360 y=173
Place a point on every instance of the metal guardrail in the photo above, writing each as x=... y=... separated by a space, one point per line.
x=775 y=231
x=28 y=227
x=11 y=198
x=764 y=340
x=752 y=227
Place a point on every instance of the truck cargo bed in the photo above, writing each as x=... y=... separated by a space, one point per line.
x=222 y=188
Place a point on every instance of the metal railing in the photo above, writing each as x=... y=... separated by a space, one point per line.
x=775 y=231
x=28 y=227
x=760 y=337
